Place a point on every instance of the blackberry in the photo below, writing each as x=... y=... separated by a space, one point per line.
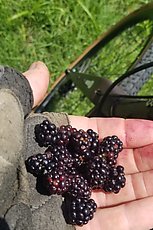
x=80 y=141
x=94 y=140
x=116 y=179
x=78 y=211
x=64 y=133
x=79 y=145
x=56 y=182
x=37 y=163
x=45 y=133
x=74 y=163
x=61 y=157
x=110 y=147
x=83 y=145
x=97 y=172
x=79 y=187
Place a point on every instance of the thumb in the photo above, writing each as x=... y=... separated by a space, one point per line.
x=38 y=77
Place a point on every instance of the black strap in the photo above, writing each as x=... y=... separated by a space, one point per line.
x=144 y=103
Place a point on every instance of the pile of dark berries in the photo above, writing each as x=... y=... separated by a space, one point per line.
x=74 y=163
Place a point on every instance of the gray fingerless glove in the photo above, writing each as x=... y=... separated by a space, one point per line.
x=15 y=103
x=21 y=206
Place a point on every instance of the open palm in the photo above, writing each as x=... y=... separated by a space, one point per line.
x=132 y=207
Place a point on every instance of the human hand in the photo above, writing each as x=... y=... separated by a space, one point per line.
x=132 y=207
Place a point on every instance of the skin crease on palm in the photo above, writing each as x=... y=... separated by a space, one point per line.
x=132 y=207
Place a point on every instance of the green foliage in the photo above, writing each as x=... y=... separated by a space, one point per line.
x=55 y=31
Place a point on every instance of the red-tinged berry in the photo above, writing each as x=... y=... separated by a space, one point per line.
x=82 y=147
x=56 y=182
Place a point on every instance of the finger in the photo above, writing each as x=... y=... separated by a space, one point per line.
x=133 y=132
x=137 y=186
x=135 y=215
x=38 y=77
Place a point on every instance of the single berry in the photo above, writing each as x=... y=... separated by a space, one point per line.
x=79 y=187
x=61 y=158
x=94 y=140
x=110 y=147
x=81 y=147
x=116 y=179
x=97 y=171
x=78 y=211
x=80 y=141
x=64 y=134
x=56 y=182
x=36 y=164
x=45 y=133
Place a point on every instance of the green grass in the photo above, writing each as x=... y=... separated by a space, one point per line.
x=55 y=31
